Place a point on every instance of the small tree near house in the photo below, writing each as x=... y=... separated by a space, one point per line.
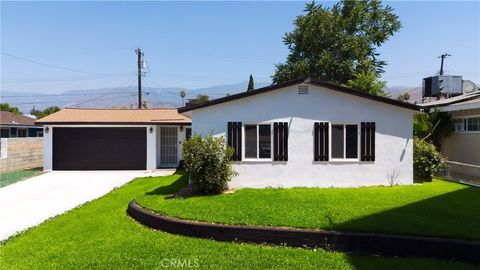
x=5 y=107
x=207 y=160
x=251 y=85
x=47 y=111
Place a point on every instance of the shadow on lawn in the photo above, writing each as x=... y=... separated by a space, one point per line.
x=452 y=215
x=173 y=187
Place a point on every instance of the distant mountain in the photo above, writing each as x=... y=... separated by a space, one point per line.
x=414 y=91
x=116 y=97
x=155 y=97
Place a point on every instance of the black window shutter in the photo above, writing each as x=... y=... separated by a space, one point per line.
x=320 y=143
x=234 y=139
x=280 y=141
x=367 y=144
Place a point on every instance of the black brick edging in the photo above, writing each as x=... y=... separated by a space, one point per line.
x=359 y=243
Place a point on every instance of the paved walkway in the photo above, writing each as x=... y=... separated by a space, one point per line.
x=30 y=202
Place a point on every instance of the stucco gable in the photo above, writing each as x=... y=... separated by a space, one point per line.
x=303 y=81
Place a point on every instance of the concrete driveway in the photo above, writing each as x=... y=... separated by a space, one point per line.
x=30 y=202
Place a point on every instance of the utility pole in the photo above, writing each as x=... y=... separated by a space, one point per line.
x=443 y=56
x=139 y=66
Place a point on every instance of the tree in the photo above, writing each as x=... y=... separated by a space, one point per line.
x=182 y=95
x=47 y=111
x=251 y=85
x=335 y=44
x=433 y=127
x=5 y=107
x=367 y=82
x=201 y=98
x=405 y=97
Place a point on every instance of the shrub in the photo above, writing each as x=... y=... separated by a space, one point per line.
x=426 y=160
x=207 y=160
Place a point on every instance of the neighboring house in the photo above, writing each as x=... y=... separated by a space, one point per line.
x=14 y=125
x=462 y=147
x=113 y=139
x=311 y=134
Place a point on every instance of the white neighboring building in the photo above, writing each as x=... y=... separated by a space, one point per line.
x=306 y=133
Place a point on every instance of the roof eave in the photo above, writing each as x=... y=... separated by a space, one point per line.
x=112 y=123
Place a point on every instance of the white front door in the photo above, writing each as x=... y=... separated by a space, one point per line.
x=168 y=146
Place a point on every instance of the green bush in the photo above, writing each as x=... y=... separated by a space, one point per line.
x=207 y=160
x=426 y=160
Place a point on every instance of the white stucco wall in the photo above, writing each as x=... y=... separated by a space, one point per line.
x=393 y=146
x=47 y=148
x=151 y=148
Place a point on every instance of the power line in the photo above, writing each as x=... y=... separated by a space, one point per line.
x=103 y=95
x=57 y=95
x=66 y=101
x=64 y=78
x=161 y=87
x=50 y=65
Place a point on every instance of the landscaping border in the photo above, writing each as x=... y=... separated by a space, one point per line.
x=359 y=243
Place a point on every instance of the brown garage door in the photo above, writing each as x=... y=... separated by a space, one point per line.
x=99 y=148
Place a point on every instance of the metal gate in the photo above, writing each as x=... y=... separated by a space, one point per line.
x=168 y=146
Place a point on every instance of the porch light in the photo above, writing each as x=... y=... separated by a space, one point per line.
x=181 y=128
x=150 y=129
x=46 y=129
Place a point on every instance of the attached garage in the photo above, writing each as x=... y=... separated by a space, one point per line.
x=118 y=148
x=113 y=139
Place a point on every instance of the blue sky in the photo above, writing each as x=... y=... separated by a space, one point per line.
x=199 y=44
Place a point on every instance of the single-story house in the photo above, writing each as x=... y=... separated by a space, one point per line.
x=113 y=139
x=15 y=125
x=462 y=147
x=310 y=133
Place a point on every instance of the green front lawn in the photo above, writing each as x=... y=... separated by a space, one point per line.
x=16 y=176
x=440 y=208
x=100 y=235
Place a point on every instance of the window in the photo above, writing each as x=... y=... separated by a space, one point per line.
x=40 y=133
x=473 y=124
x=344 y=141
x=5 y=133
x=258 y=141
x=459 y=124
x=250 y=141
x=467 y=124
x=22 y=132
x=351 y=141
x=264 y=141
x=337 y=141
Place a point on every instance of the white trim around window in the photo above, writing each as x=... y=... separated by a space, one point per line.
x=344 y=159
x=464 y=125
x=244 y=138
